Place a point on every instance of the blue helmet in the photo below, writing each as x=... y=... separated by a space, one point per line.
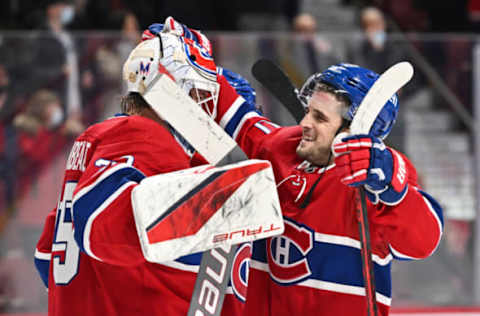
x=354 y=82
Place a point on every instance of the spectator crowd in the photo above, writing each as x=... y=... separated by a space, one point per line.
x=56 y=78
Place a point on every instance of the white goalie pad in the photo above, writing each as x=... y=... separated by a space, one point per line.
x=201 y=208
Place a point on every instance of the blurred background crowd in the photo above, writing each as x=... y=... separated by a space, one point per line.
x=60 y=71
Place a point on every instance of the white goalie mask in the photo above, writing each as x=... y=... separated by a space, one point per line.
x=188 y=64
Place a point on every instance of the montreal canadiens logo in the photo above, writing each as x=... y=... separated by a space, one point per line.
x=144 y=68
x=287 y=254
x=239 y=276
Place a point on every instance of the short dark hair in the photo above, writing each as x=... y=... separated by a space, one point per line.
x=133 y=103
x=339 y=95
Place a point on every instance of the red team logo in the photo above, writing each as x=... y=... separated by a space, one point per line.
x=199 y=57
x=287 y=254
x=239 y=277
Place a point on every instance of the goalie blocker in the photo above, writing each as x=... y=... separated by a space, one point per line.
x=197 y=209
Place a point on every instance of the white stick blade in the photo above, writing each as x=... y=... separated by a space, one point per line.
x=171 y=103
x=381 y=91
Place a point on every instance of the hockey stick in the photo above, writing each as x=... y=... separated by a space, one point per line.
x=381 y=91
x=277 y=82
x=171 y=103
x=209 y=283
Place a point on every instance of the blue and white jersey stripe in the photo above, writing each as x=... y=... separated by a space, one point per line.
x=95 y=198
x=266 y=126
x=236 y=115
x=92 y=200
x=42 y=263
x=334 y=264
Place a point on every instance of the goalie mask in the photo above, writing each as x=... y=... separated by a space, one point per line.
x=187 y=63
x=353 y=82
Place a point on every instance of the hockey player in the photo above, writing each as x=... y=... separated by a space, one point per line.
x=315 y=267
x=89 y=255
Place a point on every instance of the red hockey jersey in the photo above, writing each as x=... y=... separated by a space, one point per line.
x=315 y=267
x=89 y=253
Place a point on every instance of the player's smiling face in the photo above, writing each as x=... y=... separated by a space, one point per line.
x=321 y=122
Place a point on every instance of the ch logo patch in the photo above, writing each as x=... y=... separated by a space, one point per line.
x=287 y=254
x=239 y=276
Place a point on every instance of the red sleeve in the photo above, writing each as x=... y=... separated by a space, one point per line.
x=43 y=251
x=242 y=121
x=414 y=227
x=102 y=210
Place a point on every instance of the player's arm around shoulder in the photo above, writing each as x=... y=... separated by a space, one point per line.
x=238 y=114
x=411 y=218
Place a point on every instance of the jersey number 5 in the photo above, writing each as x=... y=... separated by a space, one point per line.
x=65 y=251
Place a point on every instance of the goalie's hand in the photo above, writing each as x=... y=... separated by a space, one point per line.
x=365 y=160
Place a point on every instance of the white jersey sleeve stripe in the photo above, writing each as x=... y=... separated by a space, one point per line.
x=42 y=255
x=327 y=286
x=350 y=242
x=262 y=128
x=242 y=121
x=231 y=111
x=341 y=288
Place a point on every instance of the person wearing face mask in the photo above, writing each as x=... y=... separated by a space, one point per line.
x=55 y=57
x=373 y=48
x=67 y=14
x=373 y=24
x=41 y=134
x=44 y=112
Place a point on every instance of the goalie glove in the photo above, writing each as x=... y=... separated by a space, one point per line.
x=365 y=160
x=174 y=27
x=240 y=84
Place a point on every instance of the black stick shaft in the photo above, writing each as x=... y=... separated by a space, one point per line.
x=279 y=85
x=366 y=252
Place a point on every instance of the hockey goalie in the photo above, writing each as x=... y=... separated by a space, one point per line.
x=107 y=251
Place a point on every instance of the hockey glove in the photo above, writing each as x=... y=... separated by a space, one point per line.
x=240 y=84
x=365 y=160
x=174 y=27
